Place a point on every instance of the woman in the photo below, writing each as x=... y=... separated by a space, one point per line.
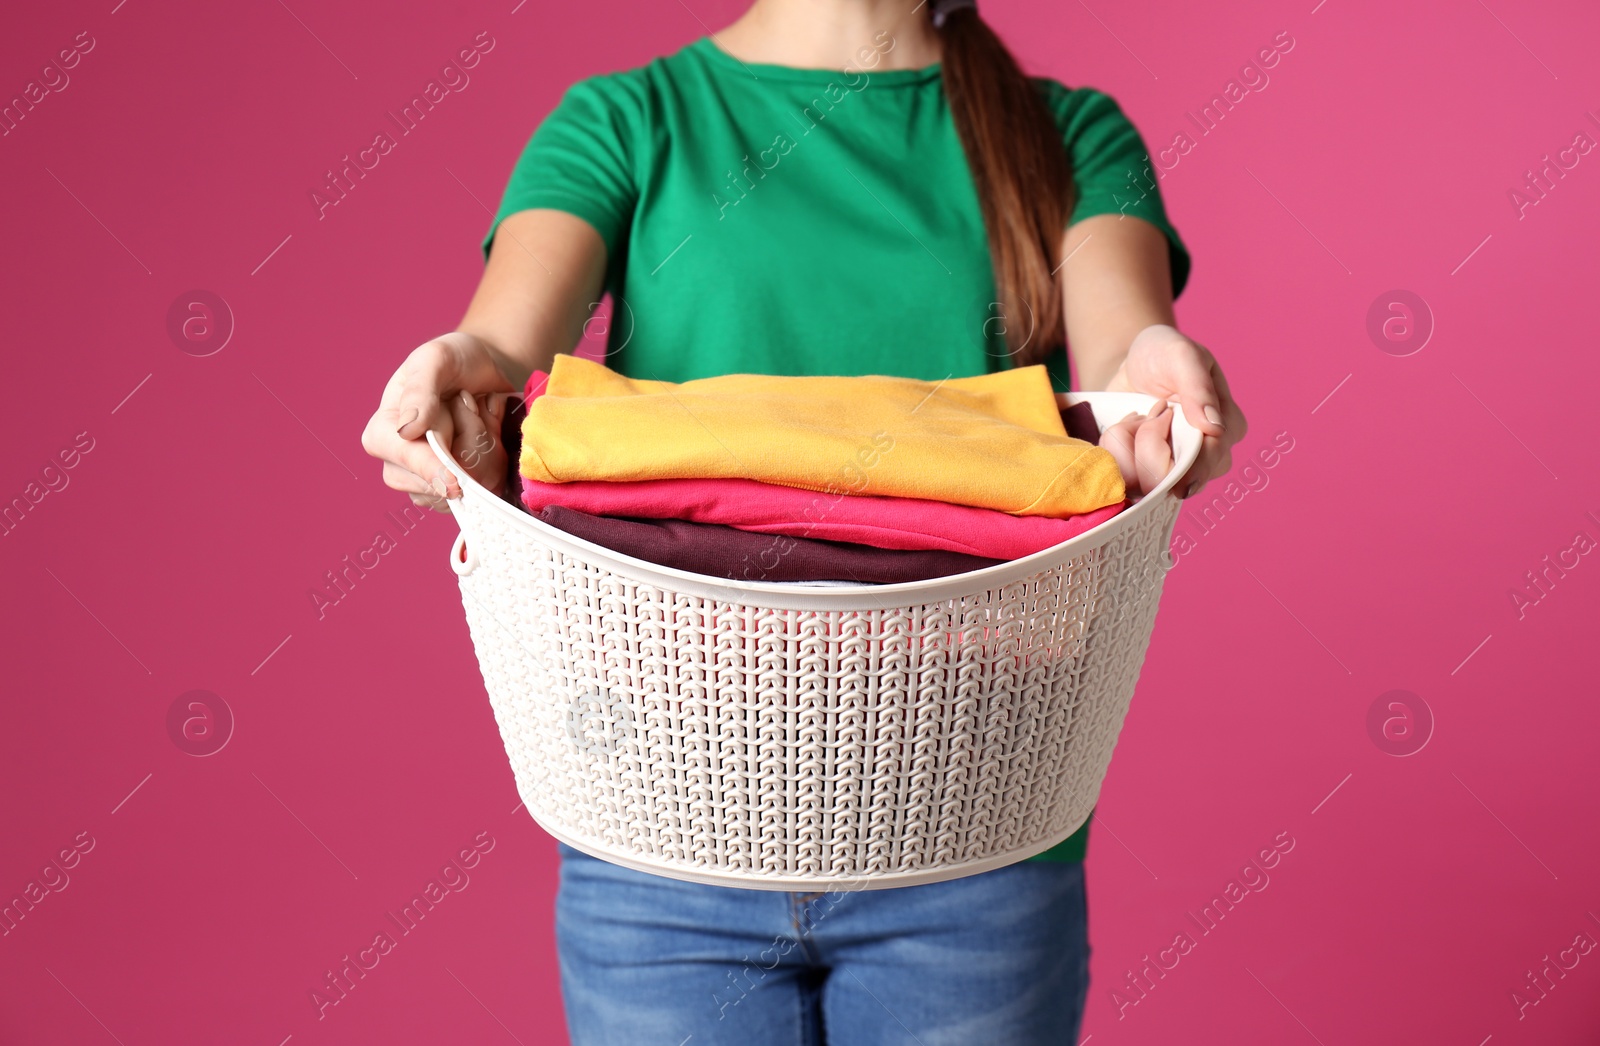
x=823 y=187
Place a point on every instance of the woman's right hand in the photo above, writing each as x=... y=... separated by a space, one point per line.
x=453 y=386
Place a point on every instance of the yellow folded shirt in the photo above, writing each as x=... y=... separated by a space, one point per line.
x=991 y=441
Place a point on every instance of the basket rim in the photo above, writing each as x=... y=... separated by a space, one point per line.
x=1108 y=407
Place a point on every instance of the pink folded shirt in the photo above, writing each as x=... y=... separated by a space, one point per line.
x=767 y=508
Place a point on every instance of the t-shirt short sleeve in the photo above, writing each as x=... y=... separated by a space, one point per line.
x=1111 y=166
x=580 y=160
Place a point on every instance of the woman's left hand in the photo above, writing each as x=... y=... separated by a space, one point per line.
x=1166 y=363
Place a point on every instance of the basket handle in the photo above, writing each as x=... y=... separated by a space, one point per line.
x=463 y=554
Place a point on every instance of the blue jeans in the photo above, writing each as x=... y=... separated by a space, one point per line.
x=999 y=957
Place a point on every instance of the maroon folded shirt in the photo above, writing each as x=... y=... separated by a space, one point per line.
x=1080 y=423
x=742 y=555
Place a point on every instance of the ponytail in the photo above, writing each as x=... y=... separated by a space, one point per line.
x=1021 y=171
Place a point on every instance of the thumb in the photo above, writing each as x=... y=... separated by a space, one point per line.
x=430 y=378
x=421 y=408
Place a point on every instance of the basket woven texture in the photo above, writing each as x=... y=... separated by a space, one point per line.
x=778 y=737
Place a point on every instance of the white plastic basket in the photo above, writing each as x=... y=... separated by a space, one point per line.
x=778 y=736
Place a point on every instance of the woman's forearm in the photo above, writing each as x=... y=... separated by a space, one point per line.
x=1117 y=281
x=544 y=275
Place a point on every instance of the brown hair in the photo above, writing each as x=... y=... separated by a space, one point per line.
x=1023 y=177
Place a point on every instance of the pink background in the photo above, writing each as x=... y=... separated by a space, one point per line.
x=1380 y=555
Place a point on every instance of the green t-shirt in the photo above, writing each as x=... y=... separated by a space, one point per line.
x=774 y=220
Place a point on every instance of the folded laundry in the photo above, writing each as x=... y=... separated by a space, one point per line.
x=766 y=508
x=865 y=519
x=720 y=551
x=993 y=441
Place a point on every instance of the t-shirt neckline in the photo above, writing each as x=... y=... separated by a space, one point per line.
x=757 y=71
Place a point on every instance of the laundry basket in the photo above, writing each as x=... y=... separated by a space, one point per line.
x=781 y=736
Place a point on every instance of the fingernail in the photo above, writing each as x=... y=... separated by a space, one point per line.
x=411 y=415
x=472 y=404
x=1212 y=415
x=438 y=485
x=1158 y=408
